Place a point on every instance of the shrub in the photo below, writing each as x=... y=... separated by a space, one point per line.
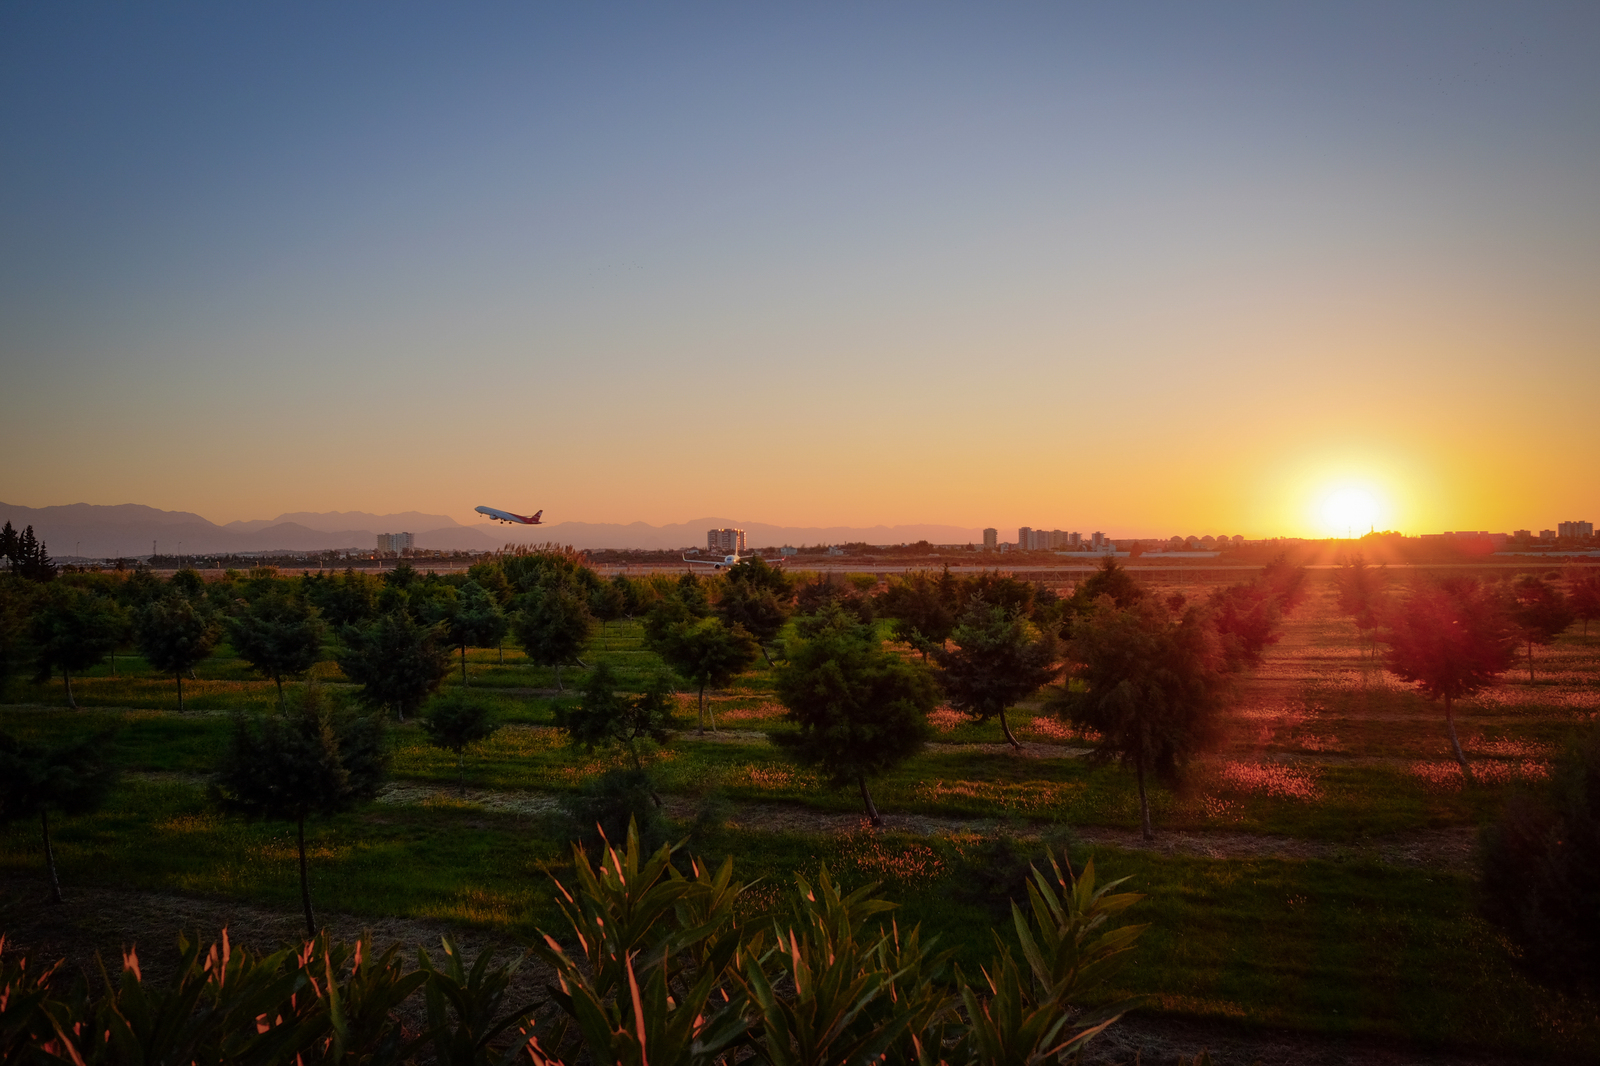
x=1541 y=870
x=608 y=803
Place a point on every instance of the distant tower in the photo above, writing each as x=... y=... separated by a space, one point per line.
x=726 y=541
x=991 y=539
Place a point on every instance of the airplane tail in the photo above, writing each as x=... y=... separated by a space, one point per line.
x=535 y=519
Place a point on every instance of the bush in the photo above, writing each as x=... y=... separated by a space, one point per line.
x=1541 y=870
x=993 y=873
x=609 y=802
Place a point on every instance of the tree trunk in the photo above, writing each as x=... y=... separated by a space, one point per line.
x=179 y=675
x=702 y=710
x=66 y=677
x=1144 y=803
x=1461 y=757
x=873 y=816
x=558 y=678
x=305 y=885
x=461 y=771
x=114 y=652
x=279 y=679
x=463 y=666
x=1006 y=729
x=50 y=857
x=502 y=651
x=1530 y=662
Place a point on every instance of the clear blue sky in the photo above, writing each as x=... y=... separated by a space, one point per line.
x=1147 y=268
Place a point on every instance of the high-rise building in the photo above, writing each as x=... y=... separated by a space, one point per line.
x=399 y=543
x=1025 y=539
x=991 y=539
x=726 y=541
x=1576 y=529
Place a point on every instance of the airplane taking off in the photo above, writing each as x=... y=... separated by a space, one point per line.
x=506 y=516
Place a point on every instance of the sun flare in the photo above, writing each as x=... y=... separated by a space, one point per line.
x=1350 y=511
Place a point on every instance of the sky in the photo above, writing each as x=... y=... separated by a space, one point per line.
x=1151 y=269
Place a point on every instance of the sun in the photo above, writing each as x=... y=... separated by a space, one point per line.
x=1350 y=511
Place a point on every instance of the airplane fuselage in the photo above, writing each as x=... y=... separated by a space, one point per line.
x=510 y=518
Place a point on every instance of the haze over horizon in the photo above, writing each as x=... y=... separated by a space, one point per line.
x=1150 y=270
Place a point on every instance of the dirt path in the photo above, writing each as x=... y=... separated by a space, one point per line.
x=1449 y=849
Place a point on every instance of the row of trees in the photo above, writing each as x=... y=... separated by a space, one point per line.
x=25 y=554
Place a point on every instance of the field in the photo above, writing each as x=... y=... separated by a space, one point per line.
x=1314 y=875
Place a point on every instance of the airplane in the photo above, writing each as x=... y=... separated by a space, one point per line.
x=717 y=563
x=506 y=516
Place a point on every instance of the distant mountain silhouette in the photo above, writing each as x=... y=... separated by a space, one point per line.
x=102 y=532
x=337 y=521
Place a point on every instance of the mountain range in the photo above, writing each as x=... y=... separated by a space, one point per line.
x=96 y=531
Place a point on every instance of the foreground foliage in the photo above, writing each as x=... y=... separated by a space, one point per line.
x=660 y=967
x=1541 y=870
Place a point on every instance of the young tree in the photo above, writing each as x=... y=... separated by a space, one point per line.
x=1452 y=640
x=72 y=778
x=1361 y=595
x=349 y=599
x=397 y=662
x=1151 y=682
x=9 y=543
x=1248 y=620
x=607 y=603
x=1540 y=613
x=553 y=627
x=16 y=609
x=814 y=597
x=303 y=764
x=73 y=630
x=605 y=716
x=1583 y=593
x=999 y=658
x=455 y=724
x=861 y=711
x=756 y=573
x=1540 y=874
x=32 y=559
x=1286 y=581
x=755 y=607
x=174 y=635
x=279 y=635
x=470 y=618
x=707 y=653
x=923 y=611
x=635 y=595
